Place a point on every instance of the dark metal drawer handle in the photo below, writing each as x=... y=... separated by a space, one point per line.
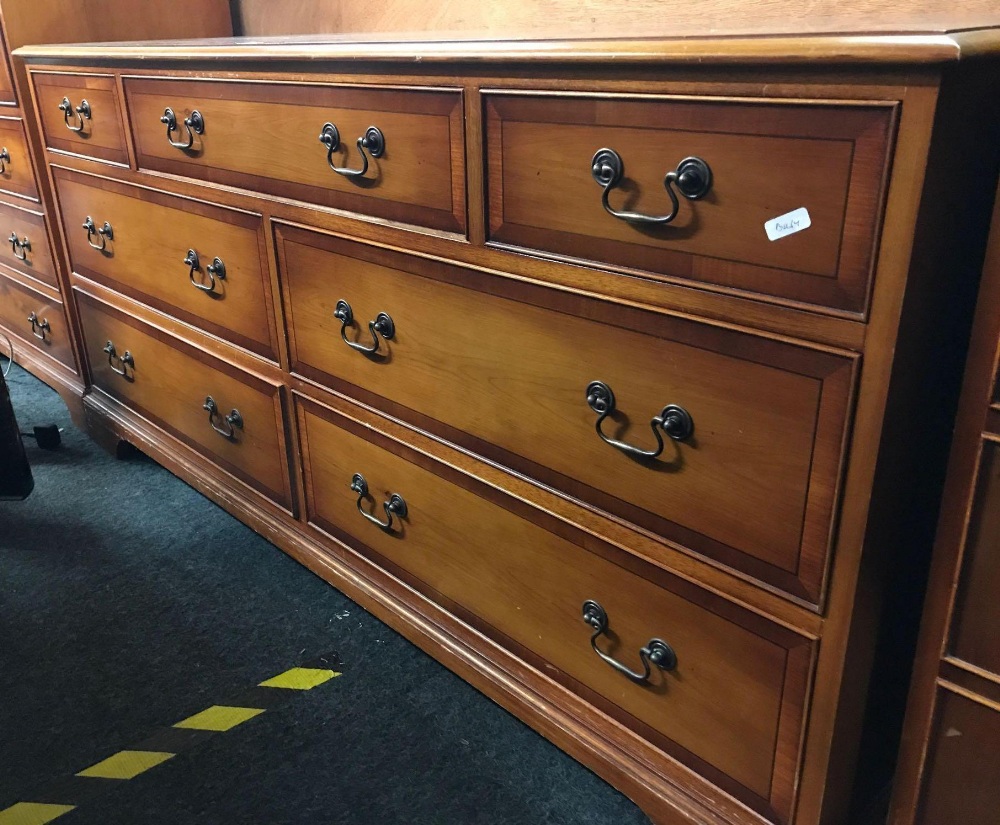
x=39 y=328
x=692 y=177
x=124 y=362
x=194 y=123
x=216 y=269
x=373 y=140
x=382 y=325
x=4 y=160
x=82 y=111
x=105 y=233
x=20 y=247
x=231 y=422
x=657 y=651
x=675 y=421
x=395 y=506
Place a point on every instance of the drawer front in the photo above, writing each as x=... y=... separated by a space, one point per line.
x=727 y=707
x=504 y=369
x=977 y=611
x=148 y=255
x=100 y=135
x=16 y=175
x=767 y=160
x=169 y=382
x=26 y=243
x=960 y=782
x=36 y=319
x=265 y=137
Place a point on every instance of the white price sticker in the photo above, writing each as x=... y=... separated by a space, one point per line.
x=787 y=224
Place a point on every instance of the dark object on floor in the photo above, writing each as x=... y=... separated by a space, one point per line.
x=16 y=481
x=46 y=436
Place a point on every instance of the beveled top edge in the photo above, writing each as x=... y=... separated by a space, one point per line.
x=770 y=49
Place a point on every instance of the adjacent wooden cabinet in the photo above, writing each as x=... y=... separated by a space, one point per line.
x=948 y=768
x=30 y=260
x=617 y=374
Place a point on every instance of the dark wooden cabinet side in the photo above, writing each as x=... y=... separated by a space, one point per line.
x=947 y=766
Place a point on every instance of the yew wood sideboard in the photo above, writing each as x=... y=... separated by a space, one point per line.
x=619 y=375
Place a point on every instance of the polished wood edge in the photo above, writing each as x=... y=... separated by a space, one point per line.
x=974 y=678
x=781 y=49
x=248 y=361
x=944 y=684
x=665 y=789
x=31 y=282
x=555 y=287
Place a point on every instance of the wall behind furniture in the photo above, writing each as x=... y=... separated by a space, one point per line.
x=602 y=18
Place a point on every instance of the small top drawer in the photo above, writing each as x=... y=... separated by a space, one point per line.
x=194 y=260
x=391 y=153
x=16 y=173
x=80 y=114
x=787 y=204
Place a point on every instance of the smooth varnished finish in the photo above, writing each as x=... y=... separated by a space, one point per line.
x=101 y=135
x=264 y=137
x=29 y=251
x=148 y=256
x=17 y=177
x=19 y=303
x=722 y=704
x=751 y=483
x=168 y=382
x=767 y=159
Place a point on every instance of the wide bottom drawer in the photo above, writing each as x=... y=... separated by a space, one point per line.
x=729 y=698
x=229 y=415
x=36 y=319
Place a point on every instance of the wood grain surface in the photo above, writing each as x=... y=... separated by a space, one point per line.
x=103 y=134
x=153 y=232
x=753 y=487
x=558 y=18
x=17 y=302
x=767 y=160
x=169 y=384
x=266 y=136
x=723 y=702
x=18 y=176
x=27 y=223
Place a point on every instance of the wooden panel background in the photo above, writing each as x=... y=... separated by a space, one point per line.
x=602 y=18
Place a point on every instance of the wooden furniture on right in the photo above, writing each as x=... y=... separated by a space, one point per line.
x=949 y=768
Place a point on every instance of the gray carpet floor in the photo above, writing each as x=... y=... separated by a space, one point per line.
x=128 y=602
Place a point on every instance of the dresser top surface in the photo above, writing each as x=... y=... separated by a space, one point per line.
x=933 y=42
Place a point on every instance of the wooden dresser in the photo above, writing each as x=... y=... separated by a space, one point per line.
x=34 y=323
x=948 y=769
x=617 y=374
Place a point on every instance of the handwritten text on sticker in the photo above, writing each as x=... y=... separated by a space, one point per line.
x=787 y=224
